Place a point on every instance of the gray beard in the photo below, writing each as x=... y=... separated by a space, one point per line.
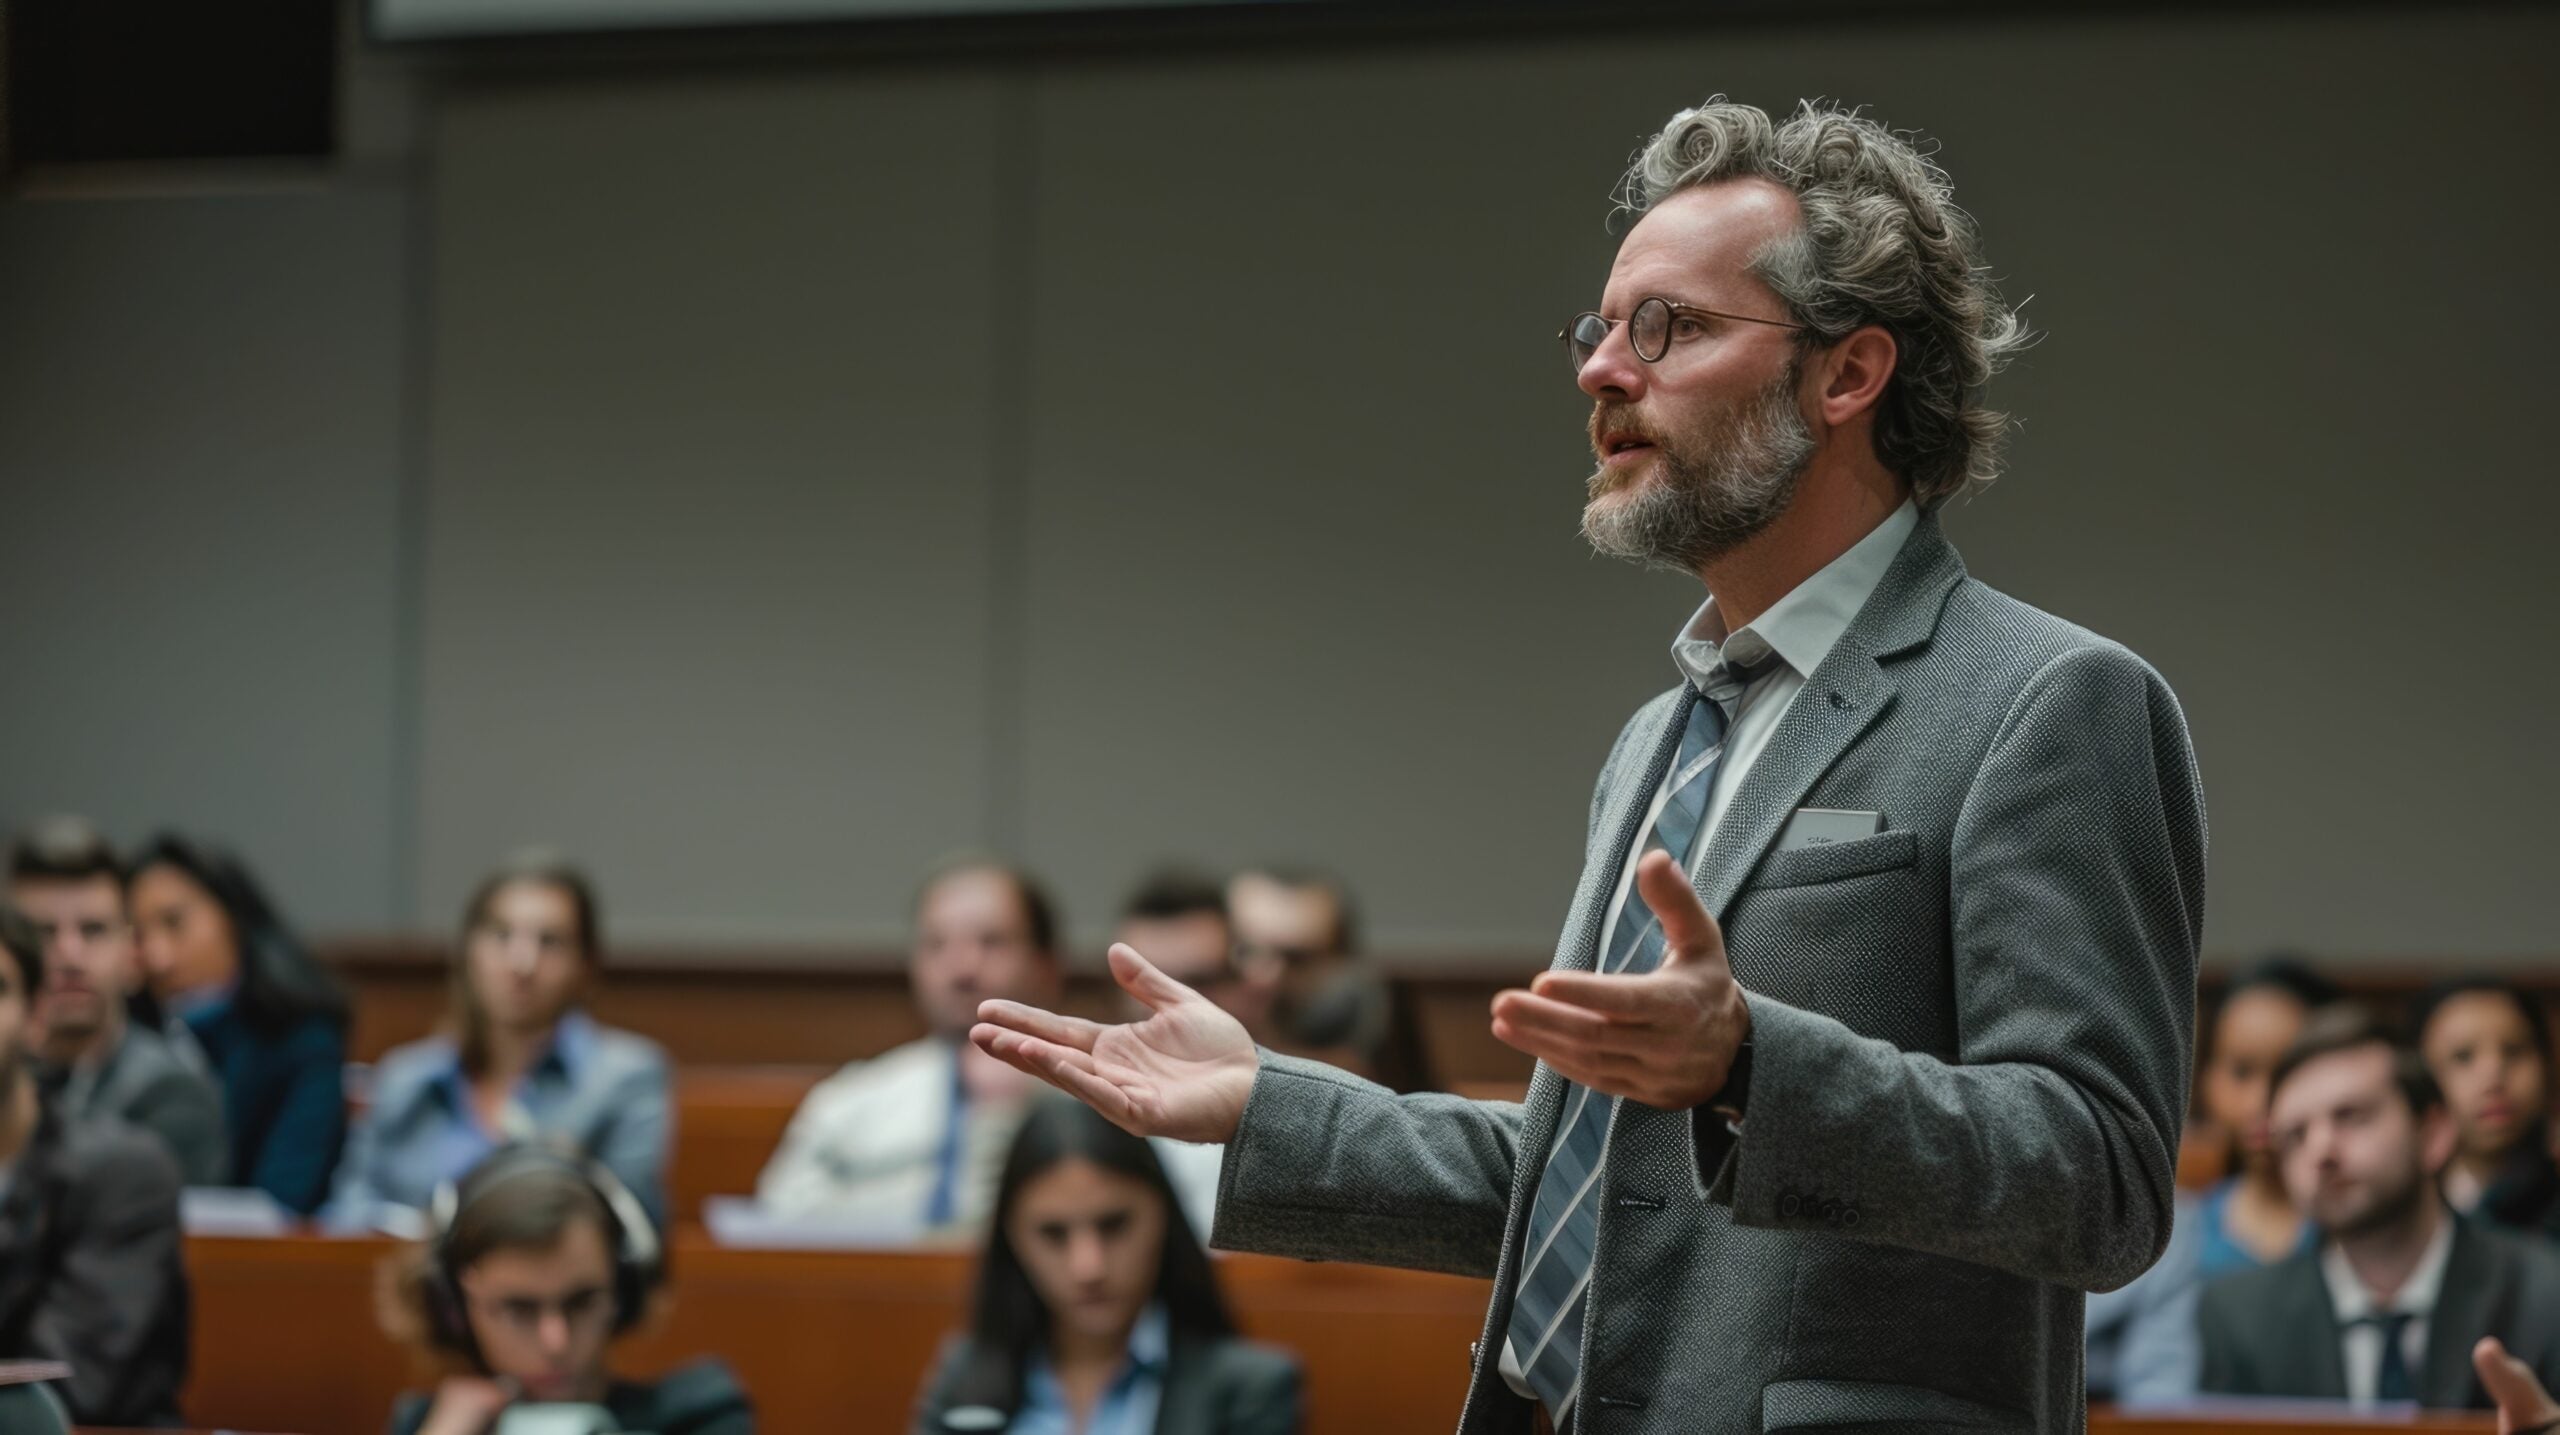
x=1720 y=486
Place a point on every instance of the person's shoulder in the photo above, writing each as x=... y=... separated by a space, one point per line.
x=628 y=1053
x=313 y=1036
x=103 y=1157
x=408 y=1412
x=1250 y=1362
x=694 y=1399
x=898 y=1070
x=2534 y=1259
x=412 y=1063
x=1994 y=629
x=2244 y=1294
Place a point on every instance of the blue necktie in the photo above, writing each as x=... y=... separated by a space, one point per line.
x=1555 y=1275
x=2393 y=1381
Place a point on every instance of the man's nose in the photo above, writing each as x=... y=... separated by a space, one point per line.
x=1613 y=371
x=554 y=1332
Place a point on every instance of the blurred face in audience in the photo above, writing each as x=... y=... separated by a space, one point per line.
x=15 y=1004
x=528 y=962
x=1289 y=937
x=1196 y=949
x=1091 y=1240
x=182 y=935
x=544 y=1318
x=2356 y=1158
x=88 y=954
x=2252 y=1032
x=2483 y=1055
x=973 y=944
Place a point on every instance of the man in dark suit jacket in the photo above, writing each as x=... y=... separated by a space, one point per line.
x=2395 y=1300
x=91 y=1267
x=96 y=1061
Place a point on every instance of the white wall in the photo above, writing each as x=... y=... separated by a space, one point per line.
x=827 y=465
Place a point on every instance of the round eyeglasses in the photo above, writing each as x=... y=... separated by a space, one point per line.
x=1649 y=329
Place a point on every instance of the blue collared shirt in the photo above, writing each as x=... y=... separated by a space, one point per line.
x=602 y=1091
x=1128 y=1404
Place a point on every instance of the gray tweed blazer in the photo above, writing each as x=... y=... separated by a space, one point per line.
x=1972 y=1034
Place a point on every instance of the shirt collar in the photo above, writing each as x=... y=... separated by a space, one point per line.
x=1802 y=627
x=2351 y=1302
x=573 y=1043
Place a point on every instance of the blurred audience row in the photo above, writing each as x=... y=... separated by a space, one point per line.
x=172 y=1030
x=2390 y=1206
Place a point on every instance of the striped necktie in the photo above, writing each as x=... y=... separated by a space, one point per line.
x=1547 y=1307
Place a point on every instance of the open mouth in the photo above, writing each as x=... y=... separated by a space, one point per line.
x=1617 y=445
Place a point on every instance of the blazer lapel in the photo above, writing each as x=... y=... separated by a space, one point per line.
x=1188 y=1401
x=2310 y=1331
x=1840 y=700
x=2477 y=1288
x=1621 y=808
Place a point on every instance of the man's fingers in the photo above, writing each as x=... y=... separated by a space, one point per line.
x=1528 y=1011
x=1065 y=1068
x=1688 y=932
x=2520 y=1398
x=1607 y=1075
x=1072 y=1031
x=1139 y=978
x=1627 y=998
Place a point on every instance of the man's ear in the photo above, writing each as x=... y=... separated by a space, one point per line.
x=1854 y=373
x=2437 y=1136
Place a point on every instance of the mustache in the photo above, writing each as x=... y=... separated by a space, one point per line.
x=1616 y=418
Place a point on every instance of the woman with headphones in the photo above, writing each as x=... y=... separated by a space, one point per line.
x=538 y=1260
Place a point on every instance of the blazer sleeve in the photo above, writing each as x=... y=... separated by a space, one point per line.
x=1327 y=1166
x=294 y=1161
x=180 y=1107
x=2048 y=1147
x=120 y=1289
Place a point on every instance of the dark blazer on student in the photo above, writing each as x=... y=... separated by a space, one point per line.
x=2275 y=1331
x=1211 y=1387
x=146 y=1084
x=92 y=1271
x=284 y=1098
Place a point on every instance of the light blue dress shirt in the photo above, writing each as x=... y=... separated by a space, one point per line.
x=1129 y=1402
x=603 y=1092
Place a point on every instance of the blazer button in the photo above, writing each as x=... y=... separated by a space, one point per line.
x=1849 y=1216
x=1831 y=1211
x=1790 y=1203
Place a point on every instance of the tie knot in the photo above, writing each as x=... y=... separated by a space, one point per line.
x=2389 y=1322
x=1725 y=681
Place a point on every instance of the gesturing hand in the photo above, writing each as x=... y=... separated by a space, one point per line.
x=1184 y=1072
x=1666 y=1037
x=2523 y=1405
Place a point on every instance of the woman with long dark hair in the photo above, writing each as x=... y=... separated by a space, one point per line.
x=1096 y=1312
x=272 y=1023
x=518 y=1059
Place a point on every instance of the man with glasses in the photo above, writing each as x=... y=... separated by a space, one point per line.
x=96 y=1061
x=1866 y=1046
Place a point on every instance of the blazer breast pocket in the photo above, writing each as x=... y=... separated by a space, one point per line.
x=1838 y=862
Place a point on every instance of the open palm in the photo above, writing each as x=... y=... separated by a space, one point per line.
x=1184 y=1072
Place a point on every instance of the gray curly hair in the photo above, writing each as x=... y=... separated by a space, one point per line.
x=1882 y=242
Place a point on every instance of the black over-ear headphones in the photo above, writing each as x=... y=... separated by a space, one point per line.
x=639 y=1260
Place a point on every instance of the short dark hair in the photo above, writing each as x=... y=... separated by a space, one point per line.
x=2348 y=1027
x=1346 y=915
x=63 y=849
x=1039 y=912
x=26 y=947
x=2433 y=999
x=1170 y=892
x=2287 y=972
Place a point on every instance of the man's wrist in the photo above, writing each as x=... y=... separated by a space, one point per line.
x=1733 y=1098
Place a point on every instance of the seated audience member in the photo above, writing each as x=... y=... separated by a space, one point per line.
x=2486 y=1043
x=92 y=1269
x=1096 y=1311
x=1296 y=939
x=2141 y=1337
x=1178 y=921
x=2392 y=1302
x=537 y=1260
x=520 y=1060
x=909 y=1141
x=270 y=1021
x=95 y=1059
x=2248 y=1221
